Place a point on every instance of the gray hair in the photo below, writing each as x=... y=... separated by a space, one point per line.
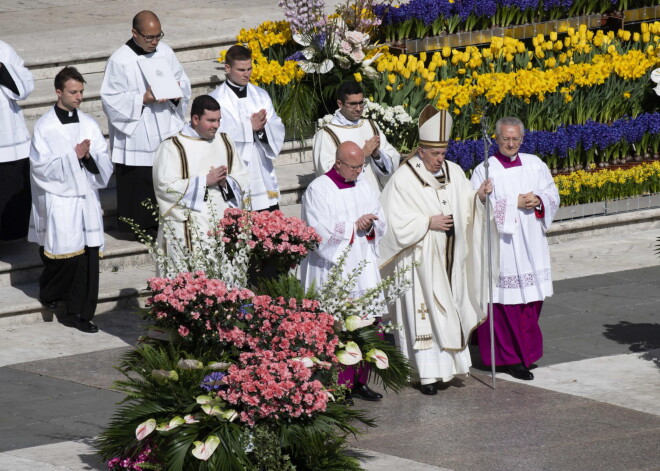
x=509 y=121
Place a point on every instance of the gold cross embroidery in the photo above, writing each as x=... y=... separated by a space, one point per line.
x=423 y=311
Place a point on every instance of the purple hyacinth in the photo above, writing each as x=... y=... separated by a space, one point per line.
x=303 y=15
x=213 y=381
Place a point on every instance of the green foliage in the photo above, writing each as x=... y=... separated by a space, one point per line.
x=287 y=285
x=297 y=105
x=397 y=375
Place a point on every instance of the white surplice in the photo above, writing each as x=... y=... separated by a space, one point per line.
x=524 y=254
x=332 y=212
x=14 y=135
x=444 y=305
x=137 y=129
x=258 y=156
x=66 y=210
x=184 y=200
x=341 y=130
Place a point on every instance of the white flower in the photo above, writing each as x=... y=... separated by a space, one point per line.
x=145 y=428
x=302 y=40
x=357 y=38
x=188 y=364
x=312 y=67
x=357 y=55
x=345 y=47
x=204 y=450
x=379 y=357
x=350 y=355
x=357 y=322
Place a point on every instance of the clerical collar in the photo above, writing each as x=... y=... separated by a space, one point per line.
x=65 y=116
x=508 y=162
x=343 y=120
x=339 y=180
x=240 y=91
x=188 y=131
x=137 y=49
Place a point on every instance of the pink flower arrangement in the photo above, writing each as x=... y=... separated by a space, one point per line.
x=280 y=240
x=146 y=457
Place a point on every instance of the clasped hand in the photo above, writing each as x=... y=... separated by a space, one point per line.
x=365 y=222
x=217 y=176
x=528 y=201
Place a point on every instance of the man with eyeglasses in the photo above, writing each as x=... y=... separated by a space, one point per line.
x=525 y=201
x=347 y=124
x=345 y=211
x=137 y=121
x=433 y=217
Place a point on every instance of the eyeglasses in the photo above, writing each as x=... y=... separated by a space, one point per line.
x=354 y=104
x=355 y=168
x=151 y=38
x=515 y=140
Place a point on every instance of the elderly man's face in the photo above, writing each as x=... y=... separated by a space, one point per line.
x=433 y=157
x=350 y=165
x=509 y=140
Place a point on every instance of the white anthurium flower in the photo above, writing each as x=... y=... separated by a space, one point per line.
x=309 y=52
x=163 y=375
x=350 y=355
x=330 y=396
x=190 y=419
x=657 y=90
x=212 y=409
x=300 y=39
x=357 y=322
x=369 y=71
x=230 y=415
x=312 y=67
x=379 y=357
x=174 y=423
x=368 y=62
x=188 y=364
x=343 y=61
x=308 y=362
x=145 y=428
x=204 y=450
x=218 y=365
x=204 y=399
x=655 y=75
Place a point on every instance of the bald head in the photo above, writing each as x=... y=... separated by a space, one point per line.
x=143 y=18
x=349 y=160
x=146 y=30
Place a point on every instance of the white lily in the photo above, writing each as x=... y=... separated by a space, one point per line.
x=145 y=428
x=379 y=357
x=357 y=322
x=204 y=450
x=350 y=355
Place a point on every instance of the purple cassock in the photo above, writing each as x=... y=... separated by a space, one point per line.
x=518 y=337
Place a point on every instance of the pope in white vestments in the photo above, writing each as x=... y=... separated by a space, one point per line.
x=345 y=211
x=138 y=121
x=434 y=219
x=525 y=201
x=197 y=175
x=348 y=125
x=248 y=117
x=16 y=83
x=70 y=163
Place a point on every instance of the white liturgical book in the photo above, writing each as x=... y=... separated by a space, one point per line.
x=159 y=76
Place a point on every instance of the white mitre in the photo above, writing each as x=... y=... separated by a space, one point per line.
x=655 y=76
x=434 y=127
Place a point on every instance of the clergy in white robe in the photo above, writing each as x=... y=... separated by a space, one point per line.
x=69 y=164
x=344 y=210
x=16 y=83
x=197 y=175
x=525 y=201
x=137 y=121
x=348 y=125
x=248 y=117
x=433 y=219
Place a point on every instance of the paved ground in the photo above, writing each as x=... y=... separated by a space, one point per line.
x=594 y=405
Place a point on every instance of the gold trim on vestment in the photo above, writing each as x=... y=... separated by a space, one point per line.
x=64 y=255
x=184 y=172
x=348 y=126
x=230 y=151
x=194 y=138
x=442 y=145
x=272 y=194
x=332 y=135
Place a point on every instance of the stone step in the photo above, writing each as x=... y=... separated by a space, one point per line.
x=121 y=289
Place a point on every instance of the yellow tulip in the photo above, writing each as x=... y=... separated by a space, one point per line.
x=358 y=77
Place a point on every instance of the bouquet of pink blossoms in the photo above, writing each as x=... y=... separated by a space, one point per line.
x=273 y=238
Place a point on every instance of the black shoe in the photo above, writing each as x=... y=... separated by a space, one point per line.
x=520 y=371
x=87 y=326
x=429 y=389
x=365 y=392
x=52 y=305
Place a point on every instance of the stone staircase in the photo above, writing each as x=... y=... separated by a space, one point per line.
x=126 y=264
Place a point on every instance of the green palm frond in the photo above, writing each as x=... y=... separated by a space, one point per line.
x=397 y=375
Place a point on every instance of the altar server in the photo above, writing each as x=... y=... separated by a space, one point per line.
x=70 y=162
x=137 y=121
x=16 y=84
x=348 y=125
x=197 y=175
x=248 y=117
